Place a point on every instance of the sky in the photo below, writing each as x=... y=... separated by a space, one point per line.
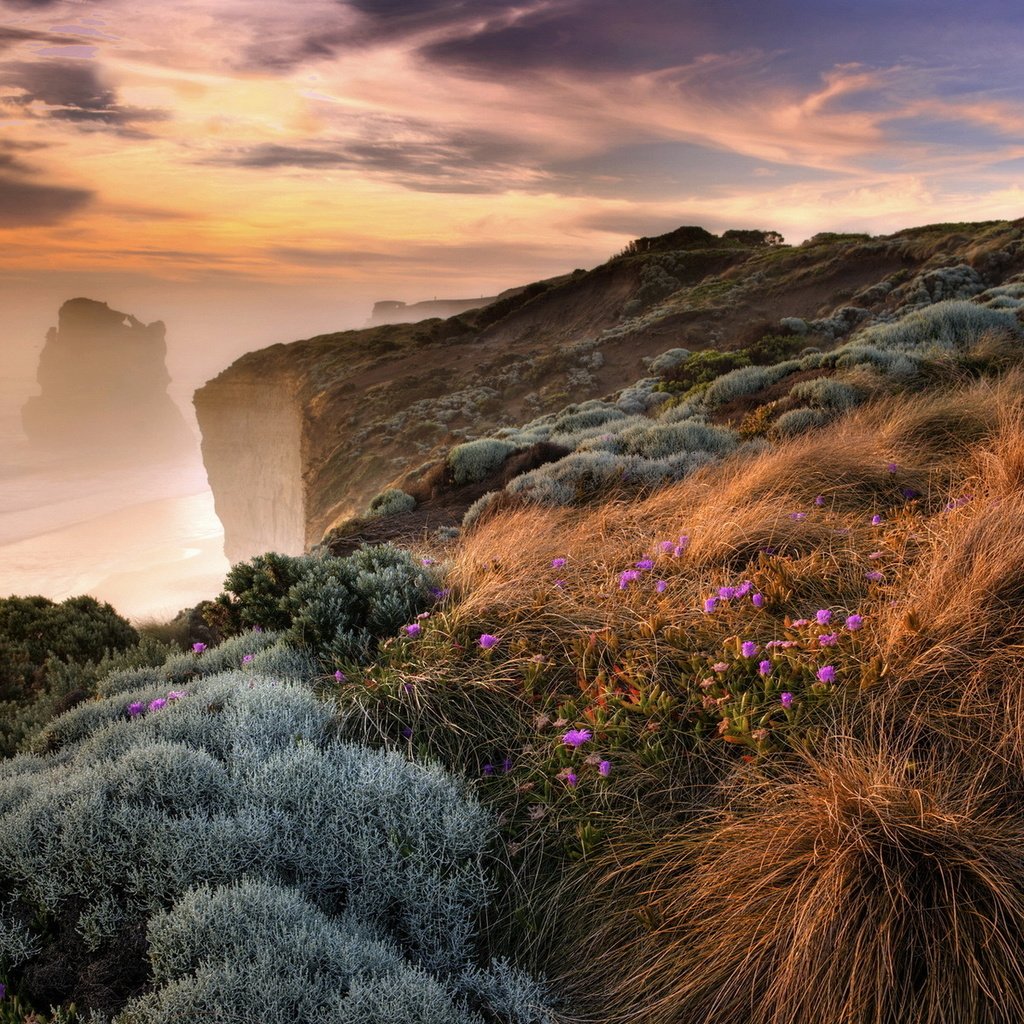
x=263 y=170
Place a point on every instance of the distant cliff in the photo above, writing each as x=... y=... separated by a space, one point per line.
x=103 y=380
x=299 y=437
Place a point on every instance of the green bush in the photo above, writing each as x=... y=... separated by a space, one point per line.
x=834 y=396
x=476 y=460
x=255 y=592
x=391 y=502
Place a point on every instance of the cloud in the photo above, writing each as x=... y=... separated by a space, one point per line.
x=10 y=36
x=72 y=91
x=27 y=204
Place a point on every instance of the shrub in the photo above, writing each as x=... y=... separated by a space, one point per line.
x=391 y=502
x=657 y=440
x=255 y=592
x=952 y=326
x=478 y=508
x=796 y=421
x=570 y=479
x=833 y=396
x=668 y=361
x=747 y=380
x=476 y=460
x=340 y=848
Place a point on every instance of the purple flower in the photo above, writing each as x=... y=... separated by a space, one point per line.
x=413 y=629
x=176 y=695
x=876 y=520
x=820 y=500
x=571 y=778
x=557 y=563
x=709 y=604
x=576 y=737
x=604 y=768
x=408 y=687
x=257 y=629
x=874 y=577
x=678 y=550
x=661 y=586
x=406 y=732
x=828 y=639
x=823 y=615
x=666 y=546
x=798 y=516
x=339 y=676
x=156 y=705
x=827 y=673
x=628 y=577
x=854 y=622
x=199 y=648
x=684 y=541
x=748 y=649
x=892 y=467
x=427 y=561
x=246 y=658
x=786 y=700
x=488 y=769
x=135 y=708
x=726 y=593
x=765 y=667
x=757 y=600
x=909 y=493
x=720 y=666
x=3 y=990
x=506 y=765
x=488 y=640
x=645 y=563
x=559 y=584
x=743 y=589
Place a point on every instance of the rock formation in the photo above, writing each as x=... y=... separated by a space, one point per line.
x=104 y=389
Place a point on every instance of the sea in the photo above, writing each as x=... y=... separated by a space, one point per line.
x=147 y=539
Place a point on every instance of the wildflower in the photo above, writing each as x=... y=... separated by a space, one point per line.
x=427 y=561
x=873 y=577
x=506 y=765
x=678 y=550
x=576 y=737
x=720 y=666
x=823 y=616
x=876 y=520
x=156 y=705
x=765 y=667
x=604 y=768
x=559 y=584
x=775 y=643
x=488 y=769
x=246 y=658
x=798 y=516
x=876 y=555
x=666 y=546
x=423 y=615
x=828 y=639
x=709 y=604
x=628 y=577
x=406 y=732
x=743 y=589
x=3 y=990
x=198 y=648
x=135 y=708
x=340 y=676
x=571 y=779
x=684 y=541
x=644 y=563
x=786 y=700
x=726 y=593
x=820 y=500
x=757 y=600
x=892 y=467
x=854 y=622
x=748 y=649
x=176 y=695
x=408 y=687
x=799 y=623
x=661 y=586
x=438 y=594
x=826 y=674
x=557 y=563
x=413 y=629
x=487 y=641
x=257 y=629
x=909 y=493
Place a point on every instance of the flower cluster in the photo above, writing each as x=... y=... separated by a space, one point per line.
x=138 y=707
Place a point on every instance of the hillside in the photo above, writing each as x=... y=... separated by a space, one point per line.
x=298 y=438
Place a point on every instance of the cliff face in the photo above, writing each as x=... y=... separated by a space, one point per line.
x=299 y=437
x=104 y=388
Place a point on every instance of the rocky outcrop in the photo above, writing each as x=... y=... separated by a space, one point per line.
x=104 y=382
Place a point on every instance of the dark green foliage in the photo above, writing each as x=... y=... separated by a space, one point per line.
x=34 y=629
x=335 y=608
x=255 y=592
x=702 y=368
x=774 y=348
x=753 y=237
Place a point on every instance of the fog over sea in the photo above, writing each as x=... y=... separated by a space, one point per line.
x=146 y=539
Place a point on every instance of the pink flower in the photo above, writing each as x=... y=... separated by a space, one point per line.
x=627 y=577
x=339 y=676
x=176 y=695
x=198 y=648
x=800 y=622
x=488 y=640
x=604 y=768
x=644 y=563
x=798 y=516
x=246 y=658
x=135 y=708
x=557 y=563
x=156 y=705
x=666 y=546
x=823 y=616
x=413 y=629
x=765 y=667
x=571 y=779
x=827 y=673
x=828 y=639
x=720 y=666
x=786 y=700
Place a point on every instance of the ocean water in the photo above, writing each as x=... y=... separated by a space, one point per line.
x=146 y=539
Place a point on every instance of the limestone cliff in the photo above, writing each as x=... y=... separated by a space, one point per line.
x=103 y=380
x=298 y=437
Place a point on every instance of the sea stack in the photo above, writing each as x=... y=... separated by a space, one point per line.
x=104 y=388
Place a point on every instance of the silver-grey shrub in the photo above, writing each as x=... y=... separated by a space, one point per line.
x=952 y=326
x=391 y=502
x=796 y=421
x=240 y=777
x=475 y=460
x=653 y=439
x=668 y=361
x=833 y=396
x=477 y=509
x=747 y=380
